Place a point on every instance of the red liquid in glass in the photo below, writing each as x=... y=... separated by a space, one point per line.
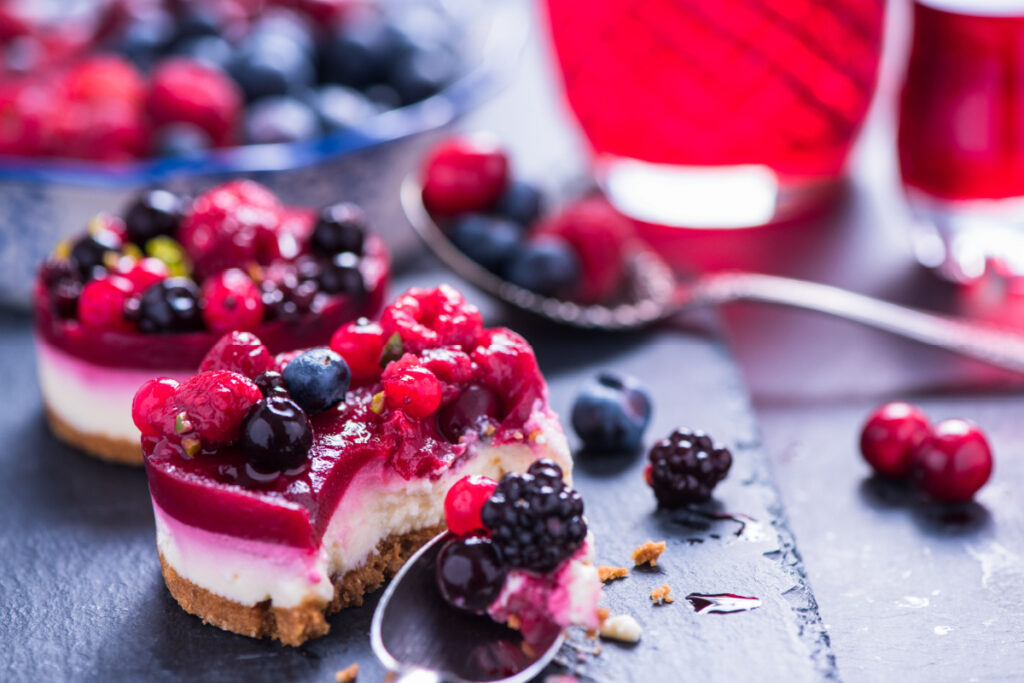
x=780 y=83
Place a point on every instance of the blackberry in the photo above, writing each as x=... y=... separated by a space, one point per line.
x=536 y=521
x=685 y=467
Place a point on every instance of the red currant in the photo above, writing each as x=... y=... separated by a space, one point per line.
x=464 y=502
x=411 y=388
x=240 y=352
x=231 y=301
x=953 y=462
x=465 y=174
x=360 y=343
x=890 y=436
x=146 y=272
x=101 y=304
x=150 y=398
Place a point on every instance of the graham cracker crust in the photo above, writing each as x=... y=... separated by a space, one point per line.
x=119 y=451
x=295 y=625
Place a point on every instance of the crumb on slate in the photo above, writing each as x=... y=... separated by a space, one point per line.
x=662 y=595
x=608 y=573
x=621 y=627
x=514 y=622
x=648 y=553
x=347 y=675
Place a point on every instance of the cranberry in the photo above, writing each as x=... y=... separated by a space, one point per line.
x=477 y=404
x=214 y=404
x=464 y=502
x=470 y=573
x=150 y=397
x=952 y=462
x=360 y=343
x=890 y=436
x=411 y=388
x=240 y=352
x=231 y=301
x=146 y=272
x=465 y=174
x=101 y=304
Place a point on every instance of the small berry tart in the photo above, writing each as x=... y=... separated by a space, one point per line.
x=147 y=294
x=285 y=488
x=521 y=553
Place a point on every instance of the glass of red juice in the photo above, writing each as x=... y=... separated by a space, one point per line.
x=718 y=113
x=961 y=136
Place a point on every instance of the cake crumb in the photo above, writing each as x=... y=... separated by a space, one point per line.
x=608 y=573
x=514 y=622
x=347 y=675
x=648 y=553
x=602 y=614
x=662 y=595
x=621 y=627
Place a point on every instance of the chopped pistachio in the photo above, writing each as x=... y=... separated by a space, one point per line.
x=392 y=350
x=181 y=423
x=377 y=403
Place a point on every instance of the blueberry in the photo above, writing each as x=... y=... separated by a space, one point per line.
x=270 y=64
x=145 y=40
x=210 y=50
x=611 y=413
x=181 y=139
x=171 y=305
x=88 y=252
x=547 y=266
x=276 y=434
x=383 y=96
x=280 y=119
x=340 y=227
x=342 y=108
x=195 y=23
x=153 y=213
x=317 y=379
x=341 y=275
x=289 y=25
x=521 y=203
x=359 y=53
x=421 y=73
x=491 y=242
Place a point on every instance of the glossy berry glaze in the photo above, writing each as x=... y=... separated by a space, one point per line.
x=220 y=492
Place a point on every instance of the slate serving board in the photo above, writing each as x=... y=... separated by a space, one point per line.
x=81 y=596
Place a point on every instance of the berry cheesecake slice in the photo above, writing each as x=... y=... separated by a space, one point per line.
x=147 y=294
x=522 y=553
x=286 y=488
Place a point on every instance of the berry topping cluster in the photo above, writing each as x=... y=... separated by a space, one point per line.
x=530 y=521
x=170 y=78
x=578 y=253
x=685 y=467
x=950 y=461
x=231 y=259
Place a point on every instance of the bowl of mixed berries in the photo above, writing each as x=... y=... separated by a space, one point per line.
x=319 y=100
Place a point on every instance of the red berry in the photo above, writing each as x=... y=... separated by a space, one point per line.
x=101 y=304
x=360 y=343
x=411 y=388
x=465 y=174
x=231 y=301
x=952 y=462
x=184 y=90
x=464 y=502
x=110 y=130
x=149 y=400
x=214 y=404
x=430 y=318
x=240 y=352
x=145 y=272
x=890 y=436
x=600 y=235
x=103 y=78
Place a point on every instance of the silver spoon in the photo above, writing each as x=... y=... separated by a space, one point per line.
x=653 y=293
x=423 y=639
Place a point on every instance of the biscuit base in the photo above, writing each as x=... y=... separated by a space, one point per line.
x=101 y=446
x=295 y=625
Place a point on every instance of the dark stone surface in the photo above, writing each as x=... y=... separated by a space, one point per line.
x=83 y=599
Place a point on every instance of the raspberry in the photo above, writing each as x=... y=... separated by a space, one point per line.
x=891 y=435
x=952 y=462
x=360 y=343
x=240 y=352
x=211 y=406
x=411 y=388
x=463 y=503
x=685 y=467
x=149 y=400
x=101 y=304
x=229 y=226
x=465 y=174
x=600 y=235
x=184 y=90
x=231 y=301
x=431 y=318
x=144 y=273
x=536 y=521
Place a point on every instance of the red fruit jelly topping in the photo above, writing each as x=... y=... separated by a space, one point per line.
x=218 y=491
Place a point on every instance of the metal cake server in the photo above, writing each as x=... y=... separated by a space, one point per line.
x=423 y=639
x=653 y=293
